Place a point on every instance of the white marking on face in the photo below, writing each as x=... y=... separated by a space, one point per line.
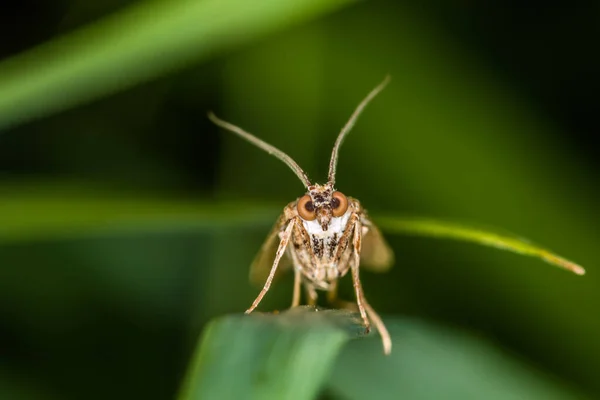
x=336 y=225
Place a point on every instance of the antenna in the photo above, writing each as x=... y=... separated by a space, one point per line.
x=263 y=145
x=349 y=125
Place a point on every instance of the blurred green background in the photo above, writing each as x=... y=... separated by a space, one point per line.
x=127 y=220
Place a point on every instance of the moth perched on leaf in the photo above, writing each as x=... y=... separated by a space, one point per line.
x=322 y=235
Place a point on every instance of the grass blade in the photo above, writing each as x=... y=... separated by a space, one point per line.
x=59 y=211
x=284 y=356
x=135 y=45
x=448 y=230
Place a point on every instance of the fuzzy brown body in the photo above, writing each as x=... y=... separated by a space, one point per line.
x=322 y=257
x=322 y=246
x=321 y=236
x=321 y=249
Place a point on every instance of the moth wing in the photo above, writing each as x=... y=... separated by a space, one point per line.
x=263 y=261
x=376 y=254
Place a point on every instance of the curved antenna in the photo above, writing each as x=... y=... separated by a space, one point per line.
x=350 y=124
x=263 y=145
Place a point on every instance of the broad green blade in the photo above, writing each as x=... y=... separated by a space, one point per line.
x=431 y=361
x=268 y=356
x=55 y=211
x=140 y=43
x=449 y=230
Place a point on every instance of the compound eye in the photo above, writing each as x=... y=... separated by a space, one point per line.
x=339 y=204
x=306 y=208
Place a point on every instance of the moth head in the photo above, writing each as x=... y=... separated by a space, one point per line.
x=322 y=203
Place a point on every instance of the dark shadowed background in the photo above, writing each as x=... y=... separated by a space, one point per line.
x=491 y=118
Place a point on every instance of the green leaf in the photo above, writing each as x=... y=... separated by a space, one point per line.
x=140 y=43
x=267 y=356
x=430 y=361
x=58 y=211
x=448 y=230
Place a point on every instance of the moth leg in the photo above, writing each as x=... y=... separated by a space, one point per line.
x=337 y=302
x=332 y=293
x=311 y=295
x=386 y=340
x=360 y=297
x=354 y=230
x=348 y=305
x=297 y=281
x=285 y=238
x=374 y=317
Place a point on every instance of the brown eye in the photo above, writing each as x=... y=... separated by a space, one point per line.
x=339 y=204
x=306 y=208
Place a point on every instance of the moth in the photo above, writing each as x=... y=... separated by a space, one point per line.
x=322 y=236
